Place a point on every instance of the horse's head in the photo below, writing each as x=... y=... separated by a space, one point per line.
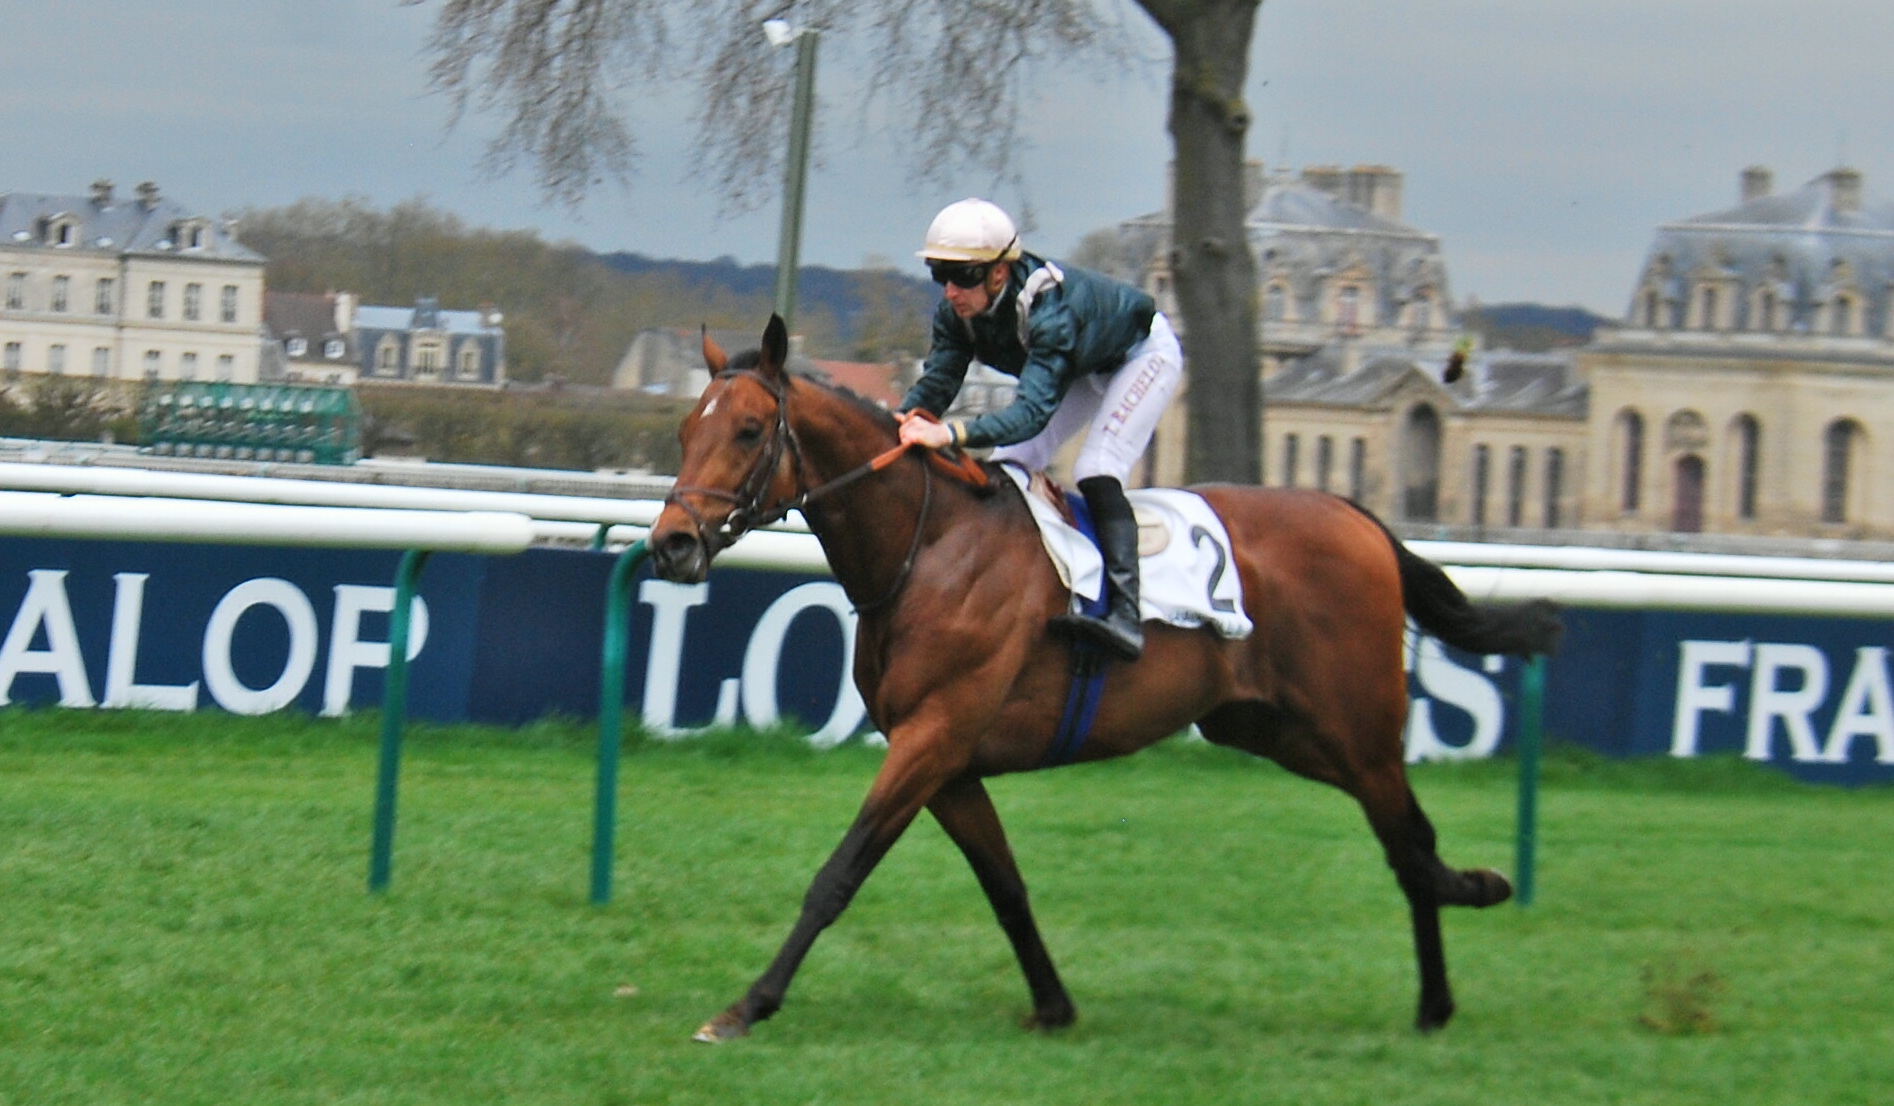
x=738 y=459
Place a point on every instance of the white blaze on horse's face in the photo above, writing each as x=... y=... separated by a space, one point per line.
x=710 y=408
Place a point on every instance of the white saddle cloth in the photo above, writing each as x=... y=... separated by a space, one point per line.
x=1187 y=576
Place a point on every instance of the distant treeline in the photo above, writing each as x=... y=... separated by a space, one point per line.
x=570 y=313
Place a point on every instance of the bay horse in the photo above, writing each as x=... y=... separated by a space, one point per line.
x=957 y=668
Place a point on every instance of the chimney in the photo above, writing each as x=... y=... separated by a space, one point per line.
x=344 y=311
x=1844 y=191
x=148 y=195
x=1757 y=182
x=1326 y=179
x=101 y=193
x=1375 y=188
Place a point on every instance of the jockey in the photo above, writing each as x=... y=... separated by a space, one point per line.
x=1092 y=354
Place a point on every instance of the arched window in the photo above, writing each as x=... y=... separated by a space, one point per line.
x=1840 y=443
x=1275 y=304
x=1748 y=435
x=1420 y=465
x=1631 y=461
x=1516 y=486
x=1686 y=514
x=1482 y=481
x=1554 y=486
x=1841 y=319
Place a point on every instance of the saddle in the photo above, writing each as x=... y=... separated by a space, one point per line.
x=1188 y=577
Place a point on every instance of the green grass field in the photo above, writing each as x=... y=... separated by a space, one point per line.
x=183 y=919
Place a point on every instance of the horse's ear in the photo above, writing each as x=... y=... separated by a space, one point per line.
x=775 y=346
x=714 y=356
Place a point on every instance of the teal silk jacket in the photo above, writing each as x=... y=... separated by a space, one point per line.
x=1085 y=323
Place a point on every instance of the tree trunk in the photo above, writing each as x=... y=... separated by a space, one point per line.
x=1211 y=263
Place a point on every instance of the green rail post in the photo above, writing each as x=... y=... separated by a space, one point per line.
x=394 y=709
x=611 y=706
x=1531 y=723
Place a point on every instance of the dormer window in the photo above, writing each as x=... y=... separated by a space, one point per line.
x=60 y=231
x=333 y=349
x=297 y=347
x=190 y=234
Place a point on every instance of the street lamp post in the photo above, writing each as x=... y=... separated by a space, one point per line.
x=796 y=170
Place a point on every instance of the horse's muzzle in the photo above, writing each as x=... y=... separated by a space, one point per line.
x=679 y=555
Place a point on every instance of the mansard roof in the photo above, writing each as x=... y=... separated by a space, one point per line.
x=1289 y=204
x=146 y=223
x=426 y=314
x=1805 y=245
x=1502 y=381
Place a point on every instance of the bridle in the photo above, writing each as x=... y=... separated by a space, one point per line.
x=749 y=512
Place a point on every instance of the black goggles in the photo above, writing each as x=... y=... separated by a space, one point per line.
x=960 y=274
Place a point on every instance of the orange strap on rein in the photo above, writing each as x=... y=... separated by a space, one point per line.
x=960 y=465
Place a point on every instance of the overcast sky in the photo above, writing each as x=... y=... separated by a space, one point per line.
x=1543 y=141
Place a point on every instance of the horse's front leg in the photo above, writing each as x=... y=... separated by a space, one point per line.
x=966 y=812
x=914 y=770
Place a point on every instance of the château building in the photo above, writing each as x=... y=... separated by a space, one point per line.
x=126 y=289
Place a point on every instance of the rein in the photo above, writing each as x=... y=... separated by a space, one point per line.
x=749 y=513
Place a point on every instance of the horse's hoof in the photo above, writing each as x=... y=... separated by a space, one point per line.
x=1490 y=888
x=1433 y=1021
x=727 y=1026
x=1058 y=1017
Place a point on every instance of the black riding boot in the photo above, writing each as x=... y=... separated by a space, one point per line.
x=1119 y=632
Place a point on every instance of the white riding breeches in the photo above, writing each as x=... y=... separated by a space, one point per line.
x=1118 y=411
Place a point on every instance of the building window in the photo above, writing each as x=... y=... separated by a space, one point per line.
x=1275 y=304
x=62 y=293
x=1765 y=310
x=1842 y=316
x=1516 y=486
x=228 y=304
x=1348 y=308
x=1420 y=465
x=1708 y=302
x=102 y=300
x=1324 y=461
x=469 y=360
x=296 y=347
x=1748 y=462
x=1291 y=448
x=154 y=300
x=1554 y=486
x=1482 y=482
x=154 y=364
x=1838 y=445
x=11 y=358
x=388 y=356
x=427 y=357
x=1653 y=304
x=1631 y=460
x=193 y=301
x=16 y=291
x=226 y=367
x=187 y=367
x=333 y=349
x=1423 y=312
x=1358 y=469
x=101 y=361
x=56 y=360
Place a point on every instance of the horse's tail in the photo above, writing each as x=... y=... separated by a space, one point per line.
x=1438 y=605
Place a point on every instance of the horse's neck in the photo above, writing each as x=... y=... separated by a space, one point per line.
x=867 y=528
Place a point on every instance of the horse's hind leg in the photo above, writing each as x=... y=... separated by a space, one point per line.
x=1408 y=840
x=965 y=811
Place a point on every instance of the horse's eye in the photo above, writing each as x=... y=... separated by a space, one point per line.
x=750 y=432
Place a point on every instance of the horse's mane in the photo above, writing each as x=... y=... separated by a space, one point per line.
x=751 y=358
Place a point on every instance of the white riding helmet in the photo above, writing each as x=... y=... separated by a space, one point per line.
x=971 y=230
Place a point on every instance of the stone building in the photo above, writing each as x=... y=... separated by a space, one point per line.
x=1749 y=390
x=126 y=289
x=428 y=344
